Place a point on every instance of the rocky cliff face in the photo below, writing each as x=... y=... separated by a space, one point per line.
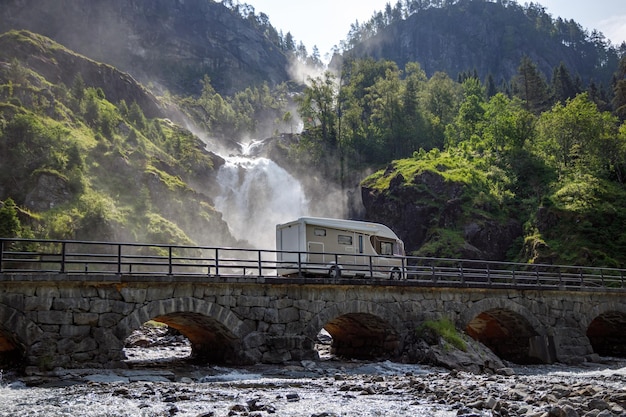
x=415 y=210
x=489 y=38
x=171 y=43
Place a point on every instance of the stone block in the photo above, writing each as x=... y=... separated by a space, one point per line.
x=276 y=357
x=100 y=306
x=253 y=340
x=109 y=319
x=82 y=357
x=86 y=345
x=250 y=301
x=71 y=292
x=37 y=303
x=159 y=293
x=109 y=293
x=183 y=290
x=87 y=319
x=281 y=303
x=65 y=346
x=287 y=315
x=134 y=295
x=55 y=317
x=277 y=329
x=254 y=313
x=47 y=292
x=89 y=291
x=73 y=304
x=70 y=331
x=271 y=316
x=122 y=307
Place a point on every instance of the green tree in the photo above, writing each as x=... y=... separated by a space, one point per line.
x=440 y=101
x=619 y=90
x=9 y=222
x=530 y=86
x=563 y=87
x=385 y=98
x=573 y=137
x=469 y=120
x=508 y=125
x=317 y=106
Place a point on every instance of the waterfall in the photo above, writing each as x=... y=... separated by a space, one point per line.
x=256 y=194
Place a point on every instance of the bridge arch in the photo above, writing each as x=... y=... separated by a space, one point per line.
x=509 y=329
x=215 y=332
x=604 y=327
x=360 y=329
x=17 y=334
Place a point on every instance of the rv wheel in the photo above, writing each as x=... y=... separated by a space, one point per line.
x=334 y=272
x=395 y=274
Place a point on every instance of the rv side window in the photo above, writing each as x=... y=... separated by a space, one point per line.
x=344 y=240
x=319 y=232
x=386 y=248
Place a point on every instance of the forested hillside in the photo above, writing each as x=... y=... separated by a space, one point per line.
x=170 y=44
x=82 y=161
x=536 y=174
x=483 y=37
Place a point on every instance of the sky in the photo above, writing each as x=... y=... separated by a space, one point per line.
x=324 y=23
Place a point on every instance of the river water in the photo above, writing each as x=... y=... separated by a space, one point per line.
x=323 y=389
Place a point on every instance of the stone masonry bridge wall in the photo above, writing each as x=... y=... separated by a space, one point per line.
x=83 y=321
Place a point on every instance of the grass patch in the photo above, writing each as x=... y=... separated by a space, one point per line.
x=444 y=328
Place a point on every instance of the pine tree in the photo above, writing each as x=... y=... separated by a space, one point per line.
x=563 y=87
x=619 y=90
x=530 y=86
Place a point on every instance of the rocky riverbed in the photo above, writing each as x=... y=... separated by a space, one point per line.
x=160 y=381
x=329 y=388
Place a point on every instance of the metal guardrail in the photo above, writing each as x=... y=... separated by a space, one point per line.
x=54 y=257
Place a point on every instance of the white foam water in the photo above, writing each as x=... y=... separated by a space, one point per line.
x=256 y=195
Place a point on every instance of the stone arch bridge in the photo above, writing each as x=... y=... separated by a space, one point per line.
x=83 y=321
x=74 y=318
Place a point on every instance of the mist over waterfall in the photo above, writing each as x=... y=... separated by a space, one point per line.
x=255 y=195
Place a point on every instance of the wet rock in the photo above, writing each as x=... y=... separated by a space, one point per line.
x=598 y=404
x=293 y=397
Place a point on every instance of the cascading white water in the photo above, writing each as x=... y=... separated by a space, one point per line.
x=256 y=194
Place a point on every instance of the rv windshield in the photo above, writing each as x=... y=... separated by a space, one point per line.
x=387 y=247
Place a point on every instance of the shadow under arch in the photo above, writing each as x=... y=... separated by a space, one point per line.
x=359 y=329
x=510 y=330
x=17 y=335
x=604 y=327
x=215 y=333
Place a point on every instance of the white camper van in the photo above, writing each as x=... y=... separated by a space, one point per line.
x=334 y=247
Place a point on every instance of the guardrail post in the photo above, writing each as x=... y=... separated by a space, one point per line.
x=169 y=261
x=582 y=278
x=602 y=278
x=217 y=262
x=371 y=267
x=461 y=272
x=1 y=254
x=260 y=264
x=488 y=274
x=62 y=258
x=300 y=275
x=537 y=275
x=119 y=260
